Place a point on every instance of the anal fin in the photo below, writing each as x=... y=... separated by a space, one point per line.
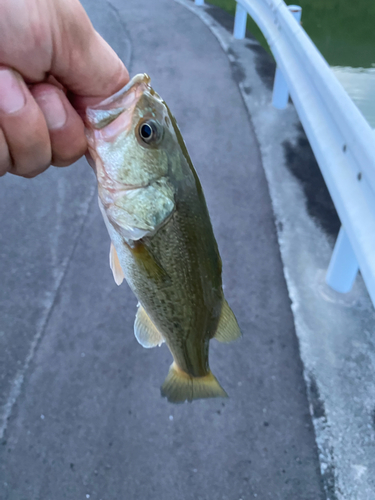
x=227 y=329
x=118 y=273
x=179 y=386
x=145 y=331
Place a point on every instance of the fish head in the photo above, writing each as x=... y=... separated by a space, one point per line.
x=135 y=152
x=127 y=137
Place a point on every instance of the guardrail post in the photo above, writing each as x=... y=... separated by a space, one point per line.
x=240 y=19
x=199 y=2
x=280 y=94
x=343 y=267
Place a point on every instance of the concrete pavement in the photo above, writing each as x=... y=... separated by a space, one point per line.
x=81 y=412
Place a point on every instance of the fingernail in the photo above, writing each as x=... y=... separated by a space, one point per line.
x=12 y=98
x=53 y=109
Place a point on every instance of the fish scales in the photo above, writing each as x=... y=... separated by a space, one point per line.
x=163 y=243
x=189 y=300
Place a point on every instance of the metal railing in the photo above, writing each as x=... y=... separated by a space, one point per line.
x=342 y=140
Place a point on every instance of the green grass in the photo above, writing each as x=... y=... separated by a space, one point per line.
x=343 y=30
x=251 y=26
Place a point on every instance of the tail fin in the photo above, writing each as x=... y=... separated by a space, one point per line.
x=180 y=386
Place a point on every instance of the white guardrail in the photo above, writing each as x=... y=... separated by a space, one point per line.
x=342 y=140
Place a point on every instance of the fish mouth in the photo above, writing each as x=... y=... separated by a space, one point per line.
x=122 y=101
x=114 y=114
x=106 y=120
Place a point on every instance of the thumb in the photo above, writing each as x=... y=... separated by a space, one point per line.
x=82 y=60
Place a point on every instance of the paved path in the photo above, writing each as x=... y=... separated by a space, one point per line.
x=335 y=331
x=81 y=412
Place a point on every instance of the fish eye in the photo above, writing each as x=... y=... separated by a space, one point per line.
x=149 y=132
x=146 y=131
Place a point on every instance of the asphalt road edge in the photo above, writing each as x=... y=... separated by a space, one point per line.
x=345 y=460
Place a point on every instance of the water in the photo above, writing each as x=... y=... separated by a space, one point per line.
x=360 y=85
x=344 y=32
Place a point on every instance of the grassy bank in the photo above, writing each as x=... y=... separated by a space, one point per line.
x=252 y=27
x=342 y=30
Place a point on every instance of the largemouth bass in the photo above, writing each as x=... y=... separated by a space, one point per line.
x=162 y=239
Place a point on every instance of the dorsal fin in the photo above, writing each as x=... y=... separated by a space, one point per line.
x=118 y=273
x=227 y=329
x=145 y=331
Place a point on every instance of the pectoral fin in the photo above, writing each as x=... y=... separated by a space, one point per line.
x=118 y=273
x=145 y=331
x=150 y=264
x=227 y=329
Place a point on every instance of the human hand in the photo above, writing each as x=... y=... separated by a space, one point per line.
x=49 y=48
